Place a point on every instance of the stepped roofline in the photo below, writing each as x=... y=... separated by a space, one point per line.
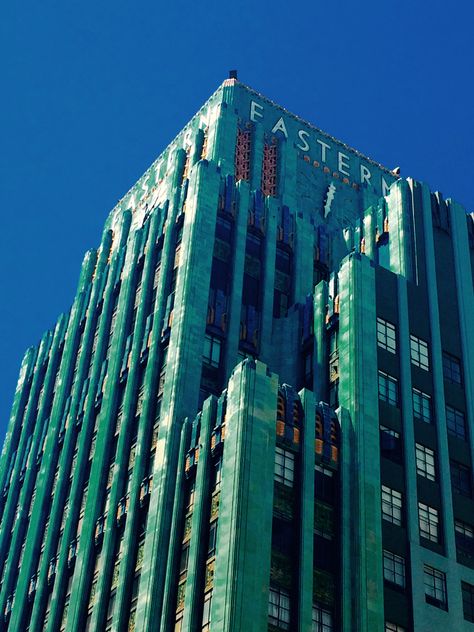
x=226 y=93
x=306 y=123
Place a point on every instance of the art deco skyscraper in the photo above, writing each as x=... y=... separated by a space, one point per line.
x=258 y=413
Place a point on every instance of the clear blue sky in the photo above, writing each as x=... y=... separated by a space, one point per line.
x=92 y=91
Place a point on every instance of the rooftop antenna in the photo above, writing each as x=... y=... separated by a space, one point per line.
x=232 y=74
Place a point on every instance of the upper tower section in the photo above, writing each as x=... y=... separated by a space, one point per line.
x=256 y=140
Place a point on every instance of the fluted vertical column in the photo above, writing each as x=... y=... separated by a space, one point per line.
x=358 y=395
x=195 y=580
x=169 y=600
x=29 y=561
x=123 y=448
x=99 y=468
x=235 y=299
x=242 y=565
x=320 y=371
x=306 y=523
x=14 y=425
x=268 y=279
x=181 y=389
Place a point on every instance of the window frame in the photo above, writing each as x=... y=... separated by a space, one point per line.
x=453 y=425
x=428 y=522
x=452 y=370
x=322 y=619
x=395 y=454
x=392 y=505
x=388 y=388
x=216 y=475
x=423 y=400
x=206 y=612
x=386 y=335
x=439 y=598
x=419 y=352
x=283 y=472
x=279 y=610
x=468 y=612
x=464 y=537
x=393 y=627
x=425 y=462
x=456 y=470
x=210 y=356
x=399 y=565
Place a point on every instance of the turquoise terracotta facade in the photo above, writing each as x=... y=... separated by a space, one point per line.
x=200 y=443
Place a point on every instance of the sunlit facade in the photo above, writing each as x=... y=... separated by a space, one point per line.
x=258 y=413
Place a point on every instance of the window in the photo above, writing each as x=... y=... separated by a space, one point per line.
x=308 y=367
x=183 y=565
x=324 y=486
x=391 y=505
x=419 y=353
x=468 y=601
x=211 y=548
x=386 y=336
x=321 y=620
x=190 y=497
x=429 y=522
x=279 y=608
x=394 y=568
x=206 y=612
x=140 y=398
x=133 y=603
x=390 y=444
x=224 y=229
x=217 y=475
x=393 y=627
x=324 y=520
x=464 y=534
x=435 y=587
x=421 y=406
x=455 y=422
x=451 y=368
x=388 y=388
x=284 y=466
x=461 y=478
x=212 y=351
x=425 y=462
x=334 y=366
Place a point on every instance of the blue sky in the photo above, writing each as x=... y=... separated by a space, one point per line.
x=93 y=91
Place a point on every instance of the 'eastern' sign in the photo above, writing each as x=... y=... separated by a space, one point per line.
x=328 y=153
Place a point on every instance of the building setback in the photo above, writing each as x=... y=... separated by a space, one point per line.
x=258 y=413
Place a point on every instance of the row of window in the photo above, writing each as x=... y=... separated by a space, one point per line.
x=421 y=405
x=428 y=520
x=279 y=603
x=434 y=580
x=392 y=501
x=425 y=461
x=387 y=339
x=279 y=606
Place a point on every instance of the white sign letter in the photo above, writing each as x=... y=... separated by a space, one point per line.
x=302 y=133
x=342 y=164
x=204 y=122
x=280 y=127
x=254 y=111
x=187 y=138
x=365 y=174
x=385 y=187
x=170 y=157
x=324 y=146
